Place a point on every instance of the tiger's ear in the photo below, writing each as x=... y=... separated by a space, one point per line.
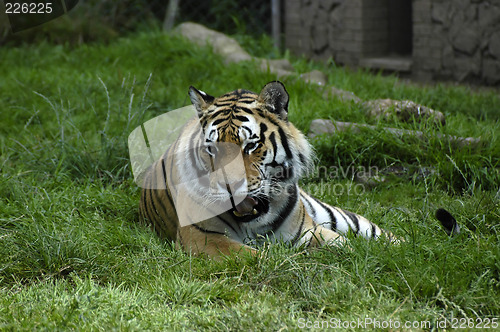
x=200 y=100
x=275 y=96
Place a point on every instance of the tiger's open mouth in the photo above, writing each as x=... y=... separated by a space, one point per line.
x=246 y=207
x=250 y=208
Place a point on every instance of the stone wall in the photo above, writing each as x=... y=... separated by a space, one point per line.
x=458 y=40
x=317 y=29
x=345 y=30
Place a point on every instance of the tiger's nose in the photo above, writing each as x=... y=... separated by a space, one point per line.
x=235 y=185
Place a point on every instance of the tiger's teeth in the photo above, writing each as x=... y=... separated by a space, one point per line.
x=237 y=214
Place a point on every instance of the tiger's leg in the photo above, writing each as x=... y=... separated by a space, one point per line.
x=342 y=220
x=324 y=236
x=215 y=245
x=314 y=234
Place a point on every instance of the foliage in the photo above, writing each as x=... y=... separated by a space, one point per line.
x=229 y=16
x=104 y=20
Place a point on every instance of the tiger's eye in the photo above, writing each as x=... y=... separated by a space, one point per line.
x=250 y=147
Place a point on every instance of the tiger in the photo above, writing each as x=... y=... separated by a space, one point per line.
x=271 y=206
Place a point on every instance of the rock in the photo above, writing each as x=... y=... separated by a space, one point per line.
x=315 y=77
x=494 y=44
x=489 y=15
x=320 y=32
x=344 y=95
x=322 y=126
x=283 y=64
x=448 y=57
x=279 y=72
x=318 y=78
x=223 y=45
x=439 y=12
x=370 y=180
x=329 y=5
x=471 y=13
x=467 y=67
x=229 y=48
x=404 y=110
x=466 y=38
x=491 y=71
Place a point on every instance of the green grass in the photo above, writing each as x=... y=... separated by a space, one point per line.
x=73 y=256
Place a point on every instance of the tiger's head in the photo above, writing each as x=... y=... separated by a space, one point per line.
x=275 y=154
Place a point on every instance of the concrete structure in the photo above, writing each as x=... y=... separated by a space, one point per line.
x=430 y=39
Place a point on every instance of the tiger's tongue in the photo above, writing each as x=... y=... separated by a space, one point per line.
x=246 y=206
